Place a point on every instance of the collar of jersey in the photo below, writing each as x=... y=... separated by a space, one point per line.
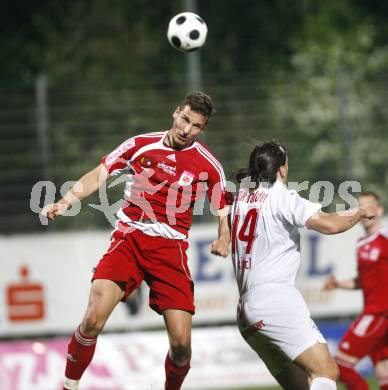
x=175 y=150
x=383 y=231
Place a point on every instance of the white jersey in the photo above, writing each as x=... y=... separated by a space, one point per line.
x=265 y=235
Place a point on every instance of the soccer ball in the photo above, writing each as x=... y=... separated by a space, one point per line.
x=187 y=32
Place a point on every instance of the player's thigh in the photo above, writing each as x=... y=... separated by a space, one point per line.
x=178 y=325
x=288 y=374
x=104 y=296
x=293 y=377
x=120 y=262
x=168 y=275
x=317 y=361
x=273 y=357
x=381 y=369
x=279 y=313
x=380 y=361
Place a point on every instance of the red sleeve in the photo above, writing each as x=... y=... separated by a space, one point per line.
x=385 y=234
x=117 y=160
x=217 y=192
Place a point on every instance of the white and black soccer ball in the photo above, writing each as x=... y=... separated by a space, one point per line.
x=187 y=31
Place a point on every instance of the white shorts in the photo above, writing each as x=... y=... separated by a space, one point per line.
x=275 y=321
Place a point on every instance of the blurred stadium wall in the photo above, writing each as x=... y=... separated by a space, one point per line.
x=45 y=278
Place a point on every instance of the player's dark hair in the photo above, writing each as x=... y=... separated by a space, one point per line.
x=264 y=162
x=369 y=193
x=199 y=102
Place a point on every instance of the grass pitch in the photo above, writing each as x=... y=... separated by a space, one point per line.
x=372 y=386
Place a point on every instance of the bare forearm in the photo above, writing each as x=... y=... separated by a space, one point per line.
x=333 y=223
x=350 y=284
x=86 y=185
x=223 y=227
x=346 y=220
x=220 y=246
x=332 y=283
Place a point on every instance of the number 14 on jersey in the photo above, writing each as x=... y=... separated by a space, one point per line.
x=243 y=237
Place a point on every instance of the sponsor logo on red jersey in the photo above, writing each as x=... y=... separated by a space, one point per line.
x=112 y=157
x=171 y=157
x=167 y=168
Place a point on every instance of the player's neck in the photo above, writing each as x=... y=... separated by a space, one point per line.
x=373 y=229
x=169 y=142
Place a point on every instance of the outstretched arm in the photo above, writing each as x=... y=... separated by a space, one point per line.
x=84 y=187
x=334 y=223
x=220 y=246
x=332 y=283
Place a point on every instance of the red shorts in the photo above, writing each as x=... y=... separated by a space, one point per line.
x=161 y=262
x=368 y=335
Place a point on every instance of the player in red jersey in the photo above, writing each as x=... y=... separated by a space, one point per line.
x=368 y=335
x=167 y=172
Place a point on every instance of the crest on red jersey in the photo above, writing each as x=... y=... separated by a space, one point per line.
x=186 y=178
x=145 y=162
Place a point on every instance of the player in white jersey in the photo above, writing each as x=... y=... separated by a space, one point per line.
x=272 y=315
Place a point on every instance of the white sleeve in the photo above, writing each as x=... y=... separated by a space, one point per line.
x=298 y=210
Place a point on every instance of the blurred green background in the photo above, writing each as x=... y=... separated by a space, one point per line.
x=80 y=77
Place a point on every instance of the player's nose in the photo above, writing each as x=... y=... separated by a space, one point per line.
x=187 y=128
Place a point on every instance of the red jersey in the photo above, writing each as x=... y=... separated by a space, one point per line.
x=372 y=259
x=163 y=183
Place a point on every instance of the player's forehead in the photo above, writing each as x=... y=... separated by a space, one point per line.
x=195 y=117
x=367 y=199
x=187 y=110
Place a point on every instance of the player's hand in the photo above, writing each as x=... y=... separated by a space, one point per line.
x=368 y=210
x=52 y=211
x=330 y=284
x=220 y=247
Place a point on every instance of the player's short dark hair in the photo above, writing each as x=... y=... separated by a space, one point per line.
x=199 y=102
x=264 y=162
x=369 y=193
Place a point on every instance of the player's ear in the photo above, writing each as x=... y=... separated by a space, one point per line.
x=283 y=171
x=380 y=211
x=176 y=112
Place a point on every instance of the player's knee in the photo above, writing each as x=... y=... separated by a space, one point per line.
x=330 y=370
x=334 y=371
x=326 y=368
x=180 y=350
x=92 y=324
x=381 y=368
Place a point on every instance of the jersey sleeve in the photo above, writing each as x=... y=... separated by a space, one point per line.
x=117 y=161
x=217 y=192
x=384 y=233
x=298 y=210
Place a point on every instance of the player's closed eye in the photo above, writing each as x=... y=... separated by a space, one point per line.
x=185 y=119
